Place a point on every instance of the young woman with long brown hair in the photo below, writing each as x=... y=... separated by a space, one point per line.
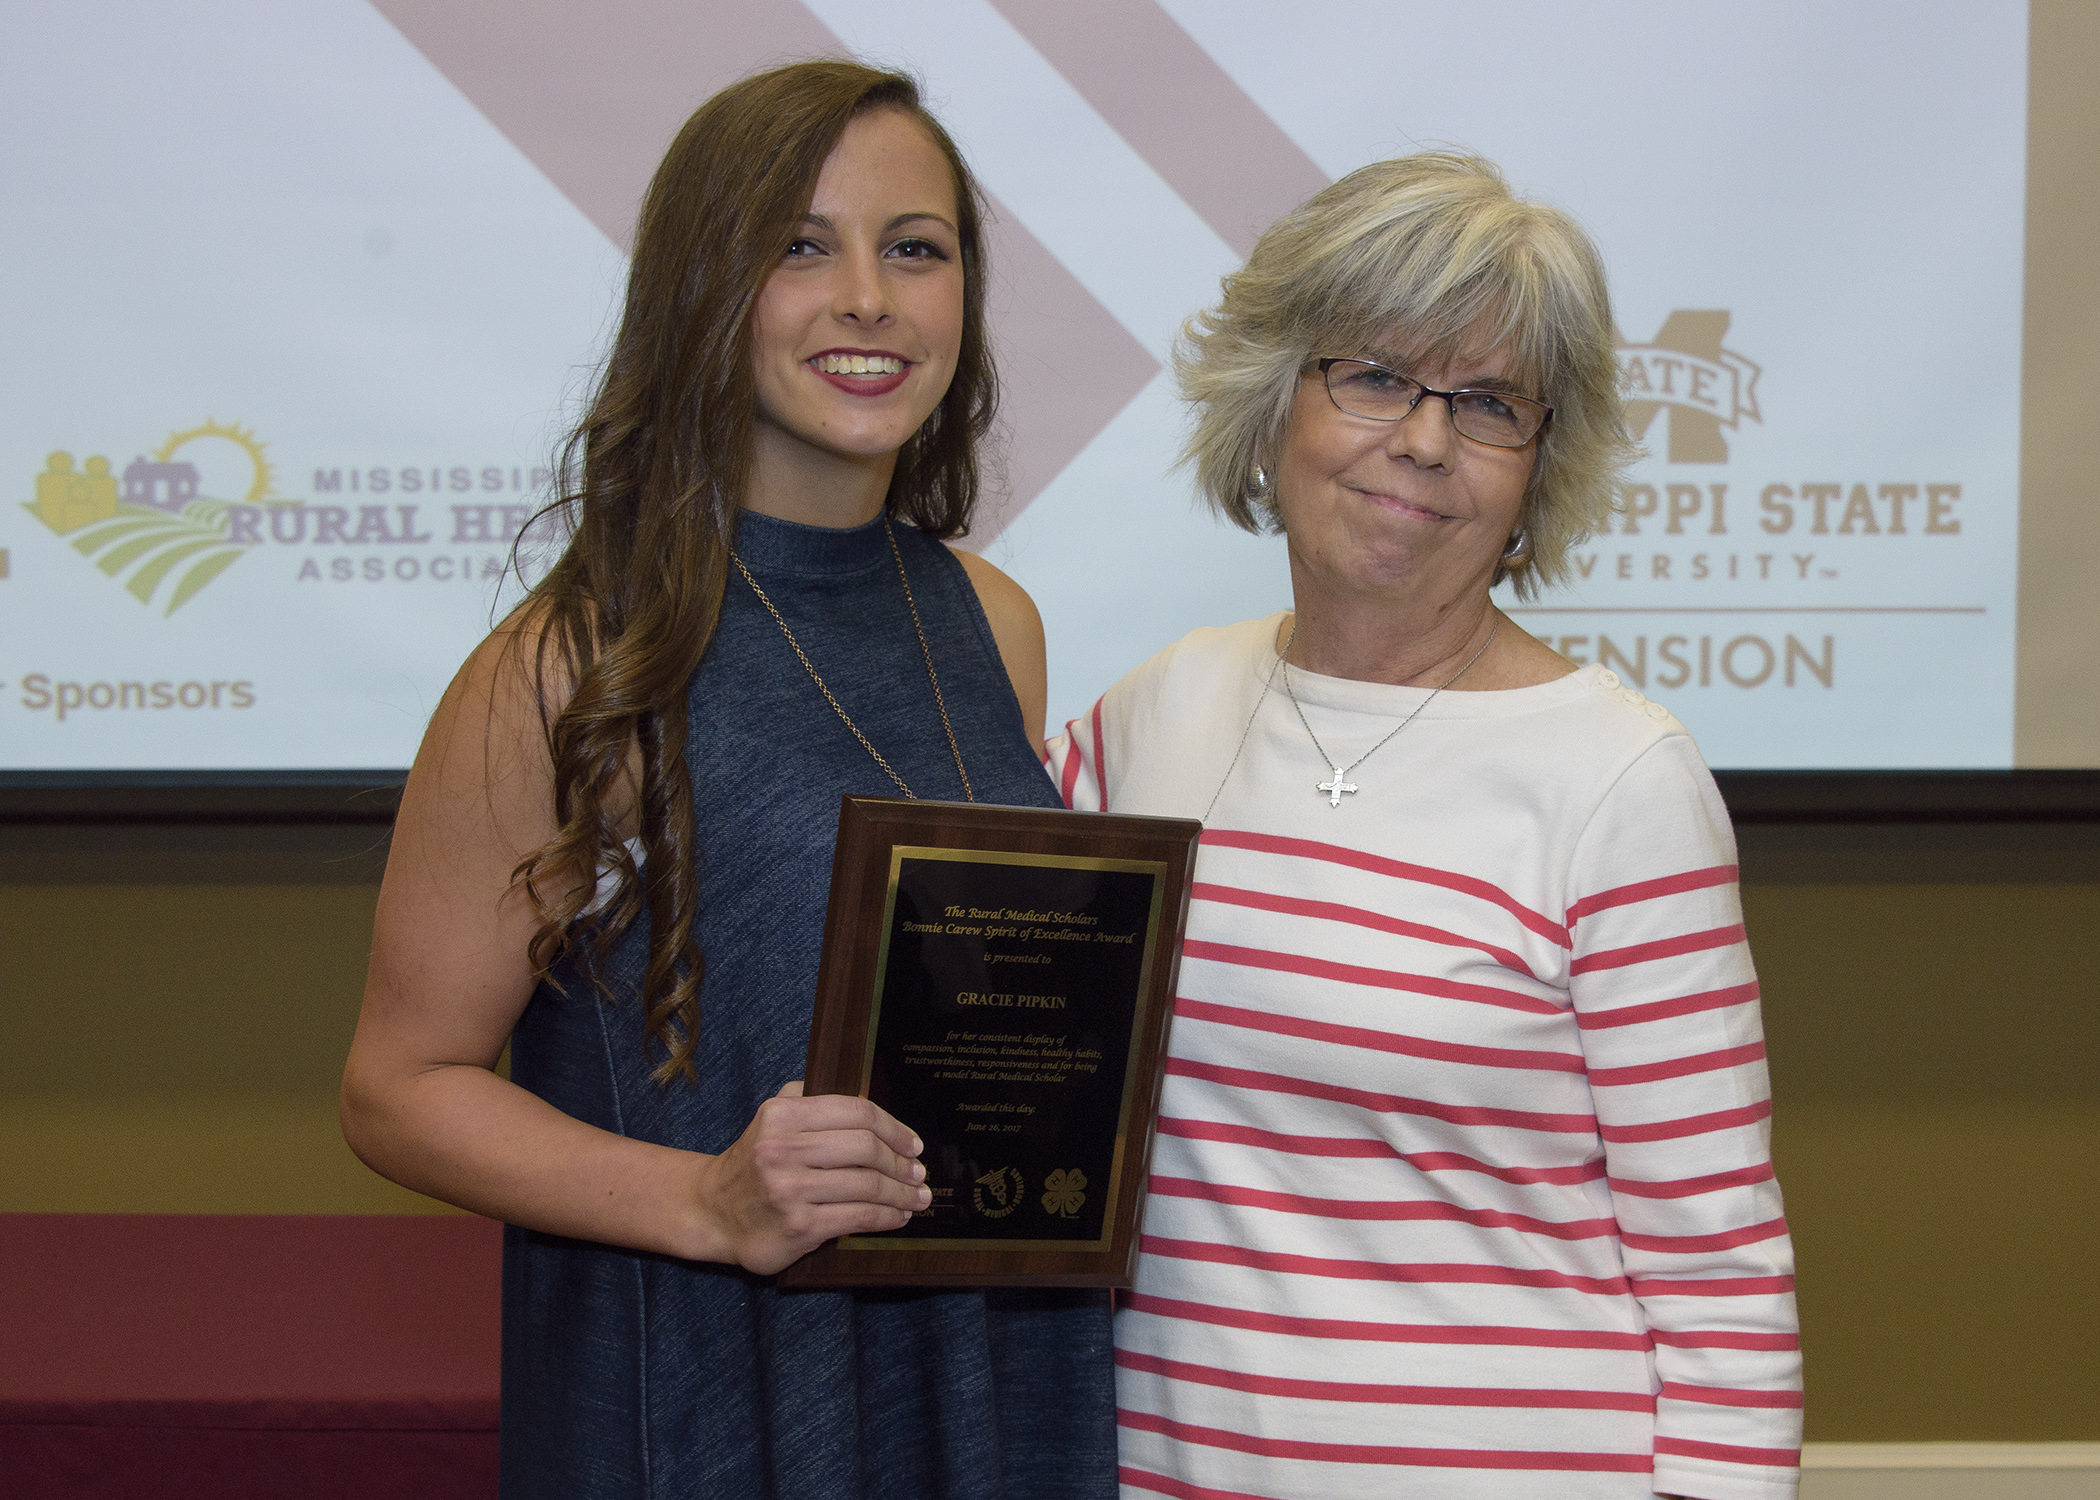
x=614 y=847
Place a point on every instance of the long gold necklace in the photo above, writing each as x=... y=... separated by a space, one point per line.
x=897 y=556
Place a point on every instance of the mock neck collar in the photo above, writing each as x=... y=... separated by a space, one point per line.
x=770 y=545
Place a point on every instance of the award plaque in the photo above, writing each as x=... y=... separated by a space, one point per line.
x=1000 y=980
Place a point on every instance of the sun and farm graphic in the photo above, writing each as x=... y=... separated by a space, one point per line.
x=153 y=528
x=1703 y=386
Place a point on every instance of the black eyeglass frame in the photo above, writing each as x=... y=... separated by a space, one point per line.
x=1450 y=399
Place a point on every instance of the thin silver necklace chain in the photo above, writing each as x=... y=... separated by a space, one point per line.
x=932 y=676
x=1338 y=786
x=1266 y=689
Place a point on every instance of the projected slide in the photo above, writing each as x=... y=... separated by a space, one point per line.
x=301 y=298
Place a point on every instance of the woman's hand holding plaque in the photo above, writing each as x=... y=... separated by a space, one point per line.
x=807 y=1170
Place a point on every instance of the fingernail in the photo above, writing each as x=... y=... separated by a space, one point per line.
x=925 y=1196
x=918 y=1171
x=917 y=1145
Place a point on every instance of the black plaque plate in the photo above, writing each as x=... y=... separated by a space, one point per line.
x=1000 y=980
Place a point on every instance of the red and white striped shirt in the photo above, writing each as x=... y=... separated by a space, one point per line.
x=1462 y=1186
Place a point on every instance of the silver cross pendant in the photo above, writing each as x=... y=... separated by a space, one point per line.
x=1336 y=787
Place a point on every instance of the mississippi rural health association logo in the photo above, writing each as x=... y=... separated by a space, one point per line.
x=150 y=528
x=1685 y=371
x=177 y=517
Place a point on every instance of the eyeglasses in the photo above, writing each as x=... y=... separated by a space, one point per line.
x=1496 y=418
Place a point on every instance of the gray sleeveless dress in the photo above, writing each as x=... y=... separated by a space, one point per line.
x=627 y=1374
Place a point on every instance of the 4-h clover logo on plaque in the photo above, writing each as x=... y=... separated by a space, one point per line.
x=1065 y=1192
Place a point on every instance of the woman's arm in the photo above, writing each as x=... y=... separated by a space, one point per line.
x=1017 y=629
x=449 y=977
x=1667 y=1004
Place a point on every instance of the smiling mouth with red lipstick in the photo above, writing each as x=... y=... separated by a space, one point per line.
x=861 y=372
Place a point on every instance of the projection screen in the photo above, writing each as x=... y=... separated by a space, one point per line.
x=301 y=298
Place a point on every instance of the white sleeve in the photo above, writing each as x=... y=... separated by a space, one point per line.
x=1667 y=1002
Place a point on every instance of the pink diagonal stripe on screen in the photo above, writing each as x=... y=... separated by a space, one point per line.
x=1066 y=368
x=1177 y=108
x=593 y=94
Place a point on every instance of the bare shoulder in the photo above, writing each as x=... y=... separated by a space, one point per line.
x=484 y=757
x=1017 y=630
x=480 y=796
x=1006 y=603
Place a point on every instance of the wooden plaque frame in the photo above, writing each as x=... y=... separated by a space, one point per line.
x=883 y=841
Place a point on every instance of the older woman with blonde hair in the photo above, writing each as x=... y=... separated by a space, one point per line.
x=1462 y=1185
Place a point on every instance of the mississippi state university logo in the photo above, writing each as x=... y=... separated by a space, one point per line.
x=153 y=528
x=1686 y=372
